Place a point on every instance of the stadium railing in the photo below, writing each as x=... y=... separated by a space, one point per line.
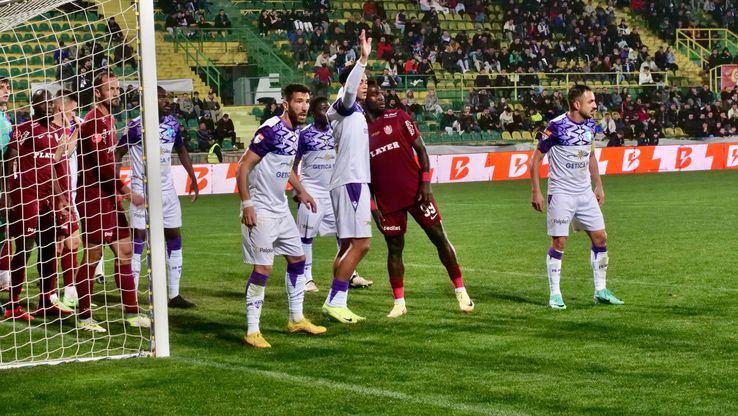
x=698 y=43
x=196 y=58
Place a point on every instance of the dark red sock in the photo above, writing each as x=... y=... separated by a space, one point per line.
x=454 y=273
x=126 y=284
x=69 y=265
x=398 y=287
x=17 y=278
x=47 y=268
x=85 y=286
x=5 y=254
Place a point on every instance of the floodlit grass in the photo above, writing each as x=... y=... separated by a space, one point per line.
x=671 y=349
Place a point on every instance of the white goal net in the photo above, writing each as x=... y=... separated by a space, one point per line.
x=71 y=77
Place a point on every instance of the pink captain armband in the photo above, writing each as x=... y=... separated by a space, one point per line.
x=426 y=178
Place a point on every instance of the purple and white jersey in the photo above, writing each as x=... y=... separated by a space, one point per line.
x=316 y=149
x=276 y=144
x=351 y=134
x=568 y=145
x=169 y=138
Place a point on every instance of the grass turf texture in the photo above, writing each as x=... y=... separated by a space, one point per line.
x=669 y=350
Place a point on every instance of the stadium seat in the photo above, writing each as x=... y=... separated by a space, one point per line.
x=506 y=136
x=517 y=136
x=678 y=132
x=669 y=132
x=527 y=136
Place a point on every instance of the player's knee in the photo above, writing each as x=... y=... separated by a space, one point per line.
x=558 y=243
x=263 y=269
x=361 y=246
x=599 y=239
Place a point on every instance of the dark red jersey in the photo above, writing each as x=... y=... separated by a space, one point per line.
x=36 y=145
x=395 y=173
x=96 y=145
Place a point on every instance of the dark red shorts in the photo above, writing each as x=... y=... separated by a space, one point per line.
x=395 y=223
x=29 y=215
x=69 y=226
x=103 y=221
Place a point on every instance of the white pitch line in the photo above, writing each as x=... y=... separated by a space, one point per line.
x=429 y=401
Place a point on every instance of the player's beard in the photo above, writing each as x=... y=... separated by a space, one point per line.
x=294 y=118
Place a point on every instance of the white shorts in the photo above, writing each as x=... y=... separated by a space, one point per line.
x=170 y=206
x=581 y=211
x=353 y=211
x=311 y=223
x=270 y=237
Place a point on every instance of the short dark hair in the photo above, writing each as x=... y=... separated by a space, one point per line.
x=317 y=102
x=575 y=92
x=291 y=89
x=372 y=83
x=343 y=76
x=4 y=80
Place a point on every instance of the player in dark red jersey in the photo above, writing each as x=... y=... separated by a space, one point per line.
x=35 y=201
x=102 y=216
x=401 y=186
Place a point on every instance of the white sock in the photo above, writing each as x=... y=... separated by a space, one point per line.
x=308 y=249
x=459 y=289
x=554 y=271
x=599 y=260
x=53 y=297
x=100 y=268
x=338 y=294
x=295 y=285
x=136 y=268
x=70 y=292
x=4 y=279
x=254 y=302
x=174 y=264
x=400 y=301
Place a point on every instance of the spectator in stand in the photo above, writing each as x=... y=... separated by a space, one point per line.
x=450 y=123
x=386 y=80
x=370 y=10
x=431 y=102
x=384 y=49
x=536 y=118
x=607 y=124
x=222 y=21
x=212 y=106
x=401 y=21
x=197 y=102
x=411 y=105
x=468 y=121
x=507 y=121
x=208 y=122
x=204 y=136
x=301 y=53
x=186 y=108
x=322 y=81
x=114 y=31
x=225 y=130
x=488 y=121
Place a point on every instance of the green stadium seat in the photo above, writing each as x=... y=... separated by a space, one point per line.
x=227 y=145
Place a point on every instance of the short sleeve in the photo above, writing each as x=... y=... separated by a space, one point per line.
x=133 y=134
x=548 y=138
x=262 y=142
x=409 y=128
x=178 y=142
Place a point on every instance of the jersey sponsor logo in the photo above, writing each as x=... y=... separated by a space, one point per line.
x=107 y=234
x=43 y=155
x=410 y=127
x=387 y=130
x=283 y=174
x=576 y=165
x=561 y=221
x=266 y=250
x=386 y=147
x=391 y=228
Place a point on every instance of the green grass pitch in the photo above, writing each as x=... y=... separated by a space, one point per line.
x=671 y=349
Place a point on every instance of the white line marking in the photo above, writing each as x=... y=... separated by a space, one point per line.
x=424 y=400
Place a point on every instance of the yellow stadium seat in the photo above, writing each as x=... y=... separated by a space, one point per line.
x=506 y=136
x=516 y=135
x=678 y=132
x=390 y=5
x=527 y=136
x=669 y=132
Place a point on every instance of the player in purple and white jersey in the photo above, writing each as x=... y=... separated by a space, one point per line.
x=315 y=158
x=569 y=143
x=268 y=227
x=169 y=140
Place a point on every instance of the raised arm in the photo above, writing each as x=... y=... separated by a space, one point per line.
x=354 y=79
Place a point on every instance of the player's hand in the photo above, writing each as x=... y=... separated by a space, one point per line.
x=600 y=195
x=537 y=201
x=305 y=198
x=365 y=46
x=63 y=207
x=425 y=195
x=137 y=199
x=194 y=190
x=248 y=217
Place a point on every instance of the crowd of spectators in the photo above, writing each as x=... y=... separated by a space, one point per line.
x=211 y=121
x=187 y=16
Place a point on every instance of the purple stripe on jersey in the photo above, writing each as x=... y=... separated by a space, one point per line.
x=354 y=193
x=550 y=197
x=257 y=279
x=133 y=133
x=555 y=254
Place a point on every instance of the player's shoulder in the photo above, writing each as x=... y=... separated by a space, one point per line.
x=307 y=131
x=591 y=123
x=169 y=120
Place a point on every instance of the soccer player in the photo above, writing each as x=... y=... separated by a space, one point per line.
x=569 y=143
x=350 y=183
x=170 y=139
x=65 y=107
x=268 y=227
x=401 y=186
x=103 y=219
x=316 y=154
x=35 y=199
x=6 y=128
